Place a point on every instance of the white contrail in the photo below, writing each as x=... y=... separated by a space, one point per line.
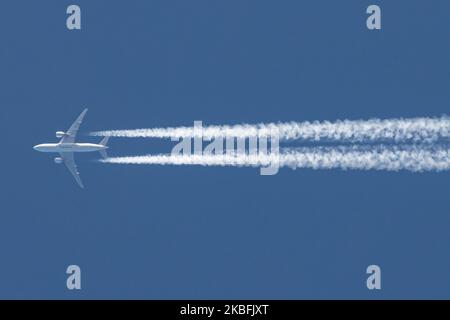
x=391 y=158
x=397 y=130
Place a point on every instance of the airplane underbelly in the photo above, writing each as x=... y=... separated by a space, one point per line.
x=48 y=149
x=69 y=148
x=84 y=149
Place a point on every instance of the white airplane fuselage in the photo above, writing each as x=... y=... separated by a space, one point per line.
x=69 y=147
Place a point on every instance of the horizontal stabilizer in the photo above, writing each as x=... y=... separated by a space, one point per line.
x=104 y=141
x=104 y=154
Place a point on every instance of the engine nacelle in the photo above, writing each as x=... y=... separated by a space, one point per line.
x=60 y=134
x=58 y=160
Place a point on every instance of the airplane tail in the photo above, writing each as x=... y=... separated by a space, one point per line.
x=104 y=142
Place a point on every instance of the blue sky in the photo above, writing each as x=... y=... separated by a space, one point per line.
x=193 y=232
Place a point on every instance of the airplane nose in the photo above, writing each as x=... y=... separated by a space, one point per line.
x=36 y=147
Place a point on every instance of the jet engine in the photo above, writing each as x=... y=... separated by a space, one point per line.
x=58 y=160
x=60 y=134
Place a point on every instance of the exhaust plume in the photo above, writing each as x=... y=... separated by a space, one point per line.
x=390 y=158
x=396 y=130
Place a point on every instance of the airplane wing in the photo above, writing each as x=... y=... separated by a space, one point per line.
x=73 y=130
x=69 y=161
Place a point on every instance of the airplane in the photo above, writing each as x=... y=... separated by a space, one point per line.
x=67 y=146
